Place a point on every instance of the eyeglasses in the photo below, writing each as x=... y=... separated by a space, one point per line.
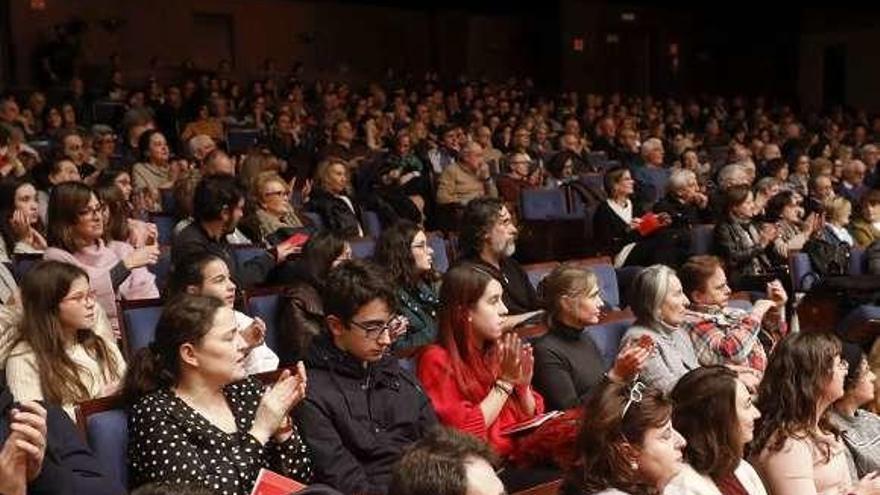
x=395 y=327
x=82 y=297
x=92 y=210
x=635 y=396
x=419 y=245
x=269 y=194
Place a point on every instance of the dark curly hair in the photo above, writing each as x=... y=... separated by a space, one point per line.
x=393 y=252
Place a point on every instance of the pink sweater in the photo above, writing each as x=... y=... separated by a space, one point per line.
x=97 y=261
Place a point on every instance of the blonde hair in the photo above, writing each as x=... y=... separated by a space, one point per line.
x=261 y=180
x=838 y=209
x=323 y=170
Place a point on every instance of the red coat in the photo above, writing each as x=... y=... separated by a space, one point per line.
x=453 y=409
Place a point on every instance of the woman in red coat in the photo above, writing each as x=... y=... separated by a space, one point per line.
x=478 y=379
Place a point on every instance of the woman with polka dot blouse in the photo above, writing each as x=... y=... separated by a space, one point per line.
x=196 y=419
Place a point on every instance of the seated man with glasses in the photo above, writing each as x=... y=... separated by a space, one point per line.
x=361 y=409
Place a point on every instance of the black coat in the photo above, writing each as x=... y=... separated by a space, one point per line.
x=193 y=241
x=69 y=467
x=357 y=420
x=610 y=232
x=335 y=214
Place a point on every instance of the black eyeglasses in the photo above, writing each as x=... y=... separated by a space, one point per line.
x=395 y=327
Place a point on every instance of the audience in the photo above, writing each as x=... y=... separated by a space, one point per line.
x=189 y=390
x=76 y=235
x=63 y=352
x=616 y=226
x=331 y=200
x=302 y=314
x=404 y=252
x=208 y=275
x=479 y=378
x=362 y=409
x=724 y=335
x=431 y=150
x=627 y=444
x=660 y=307
x=447 y=462
x=568 y=364
x=714 y=413
x=795 y=447
x=488 y=239
x=859 y=428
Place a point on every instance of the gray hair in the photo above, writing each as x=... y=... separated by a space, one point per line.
x=648 y=291
x=764 y=184
x=197 y=142
x=650 y=145
x=679 y=179
x=728 y=175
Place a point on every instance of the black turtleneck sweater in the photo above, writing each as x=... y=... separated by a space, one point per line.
x=568 y=365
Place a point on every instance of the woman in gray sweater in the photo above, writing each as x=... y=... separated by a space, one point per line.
x=659 y=304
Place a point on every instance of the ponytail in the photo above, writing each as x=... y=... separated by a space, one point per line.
x=186 y=319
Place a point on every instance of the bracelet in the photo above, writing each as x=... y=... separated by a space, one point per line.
x=504 y=387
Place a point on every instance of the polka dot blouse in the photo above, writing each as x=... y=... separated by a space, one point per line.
x=171 y=442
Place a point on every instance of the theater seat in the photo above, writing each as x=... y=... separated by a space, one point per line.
x=264 y=303
x=239 y=141
x=537 y=271
x=23 y=262
x=246 y=252
x=362 y=247
x=441 y=257
x=372 y=224
x=607 y=285
x=607 y=337
x=701 y=239
x=104 y=424
x=137 y=323
x=542 y=204
x=165 y=227
x=802 y=275
x=857 y=262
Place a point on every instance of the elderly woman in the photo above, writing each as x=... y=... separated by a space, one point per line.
x=865 y=228
x=331 y=201
x=660 y=308
x=725 y=335
x=272 y=209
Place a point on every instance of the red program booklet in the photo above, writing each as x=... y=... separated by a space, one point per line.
x=272 y=483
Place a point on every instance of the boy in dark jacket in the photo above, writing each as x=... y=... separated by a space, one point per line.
x=362 y=409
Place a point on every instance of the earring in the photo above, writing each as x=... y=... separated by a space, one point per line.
x=634 y=466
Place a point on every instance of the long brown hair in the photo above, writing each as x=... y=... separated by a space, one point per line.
x=797 y=371
x=704 y=412
x=42 y=290
x=606 y=434
x=65 y=203
x=119 y=211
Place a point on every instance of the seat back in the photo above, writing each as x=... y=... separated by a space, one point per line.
x=701 y=239
x=441 y=256
x=608 y=287
x=104 y=424
x=542 y=204
x=372 y=224
x=22 y=263
x=537 y=271
x=246 y=252
x=241 y=140
x=265 y=303
x=165 y=226
x=593 y=180
x=169 y=202
x=803 y=277
x=362 y=247
x=857 y=261
x=137 y=323
x=607 y=337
